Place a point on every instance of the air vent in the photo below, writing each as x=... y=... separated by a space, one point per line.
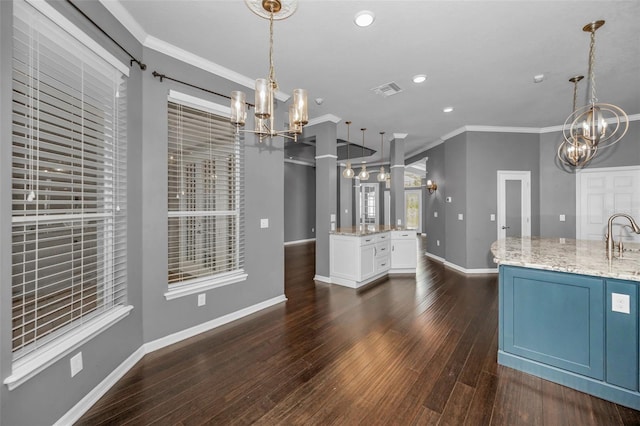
x=387 y=89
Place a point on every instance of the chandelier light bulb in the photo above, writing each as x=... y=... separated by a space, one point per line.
x=382 y=176
x=364 y=174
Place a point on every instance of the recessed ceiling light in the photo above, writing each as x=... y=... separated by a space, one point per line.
x=538 y=78
x=420 y=78
x=364 y=18
x=448 y=109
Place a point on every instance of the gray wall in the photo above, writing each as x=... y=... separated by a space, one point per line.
x=455 y=166
x=488 y=152
x=435 y=227
x=299 y=202
x=558 y=182
x=153 y=317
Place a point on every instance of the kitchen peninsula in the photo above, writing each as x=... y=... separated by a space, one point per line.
x=360 y=255
x=569 y=315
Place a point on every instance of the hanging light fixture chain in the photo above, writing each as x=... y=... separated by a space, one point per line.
x=592 y=60
x=272 y=72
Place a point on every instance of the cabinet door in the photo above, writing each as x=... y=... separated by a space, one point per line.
x=554 y=318
x=622 y=334
x=403 y=254
x=367 y=261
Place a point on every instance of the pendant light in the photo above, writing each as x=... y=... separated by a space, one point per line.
x=348 y=173
x=266 y=88
x=364 y=174
x=382 y=176
x=598 y=125
x=575 y=151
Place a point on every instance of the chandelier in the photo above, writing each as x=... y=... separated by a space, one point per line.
x=595 y=125
x=382 y=176
x=348 y=172
x=266 y=88
x=575 y=151
x=364 y=174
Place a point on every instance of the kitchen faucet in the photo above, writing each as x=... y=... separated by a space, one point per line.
x=609 y=236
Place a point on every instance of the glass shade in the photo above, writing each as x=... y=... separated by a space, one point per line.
x=364 y=174
x=348 y=173
x=300 y=103
x=238 y=108
x=294 y=120
x=263 y=98
x=382 y=176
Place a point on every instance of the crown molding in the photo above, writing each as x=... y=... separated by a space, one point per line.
x=124 y=17
x=323 y=119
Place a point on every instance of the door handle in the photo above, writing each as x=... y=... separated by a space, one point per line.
x=506 y=227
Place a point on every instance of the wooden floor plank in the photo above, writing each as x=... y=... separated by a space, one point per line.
x=406 y=351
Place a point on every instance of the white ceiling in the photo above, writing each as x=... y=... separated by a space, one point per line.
x=480 y=58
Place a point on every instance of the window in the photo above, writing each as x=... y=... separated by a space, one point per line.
x=68 y=184
x=368 y=206
x=205 y=197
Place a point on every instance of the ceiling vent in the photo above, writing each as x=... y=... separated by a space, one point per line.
x=387 y=89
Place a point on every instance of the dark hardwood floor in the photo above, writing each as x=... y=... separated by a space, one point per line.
x=410 y=350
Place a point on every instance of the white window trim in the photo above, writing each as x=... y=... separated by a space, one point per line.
x=199 y=285
x=198 y=103
x=32 y=364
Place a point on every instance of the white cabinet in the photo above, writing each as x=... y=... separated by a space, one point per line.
x=404 y=253
x=358 y=260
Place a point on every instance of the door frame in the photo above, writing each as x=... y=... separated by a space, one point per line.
x=580 y=176
x=524 y=176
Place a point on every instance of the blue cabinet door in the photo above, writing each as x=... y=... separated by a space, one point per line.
x=554 y=318
x=622 y=335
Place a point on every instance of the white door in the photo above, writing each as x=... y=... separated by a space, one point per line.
x=602 y=192
x=514 y=203
x=413 y=209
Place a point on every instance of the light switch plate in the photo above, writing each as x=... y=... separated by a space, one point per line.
x=460 y=216
x=332 y=217
x=620 y=303
x=435 y=214
x=264 y=223
x=563 y=218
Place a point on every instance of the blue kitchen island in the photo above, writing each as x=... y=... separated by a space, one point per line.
x=569 y=315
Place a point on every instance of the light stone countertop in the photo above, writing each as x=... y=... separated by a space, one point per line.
x=360 y=231
x=566 y=255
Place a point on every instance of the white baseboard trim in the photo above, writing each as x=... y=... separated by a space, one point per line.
x=470 y=271
x=96 y=393
x=209 y=325
x=293 y=243
x=460 y=268
x=322 y=279
x=434 y=257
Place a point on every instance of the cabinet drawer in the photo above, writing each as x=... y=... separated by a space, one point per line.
x=383 y=248
x=369 y=239
x=382 y=263
x=384 y=236
x=403 y=235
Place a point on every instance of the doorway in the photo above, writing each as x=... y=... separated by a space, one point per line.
x=602 y=192
x=514 y=203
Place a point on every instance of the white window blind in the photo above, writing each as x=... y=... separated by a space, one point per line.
x=68 y=184
x=205 y=197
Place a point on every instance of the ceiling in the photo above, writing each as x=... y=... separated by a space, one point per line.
x=480 y=58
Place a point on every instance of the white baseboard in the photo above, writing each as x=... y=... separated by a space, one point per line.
x=460 y=268
x=322 y=279
x=96 y=393
x=209 y=325
x=293 y=243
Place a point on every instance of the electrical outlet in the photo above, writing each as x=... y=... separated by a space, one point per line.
x=563 y=218
x=76 y=364
x=313 y=229
x=438 y=243
x=264 y=223
x=492 y=218
x=460 y=216
x=435 y=214
x=620 y=303
x=202 y=299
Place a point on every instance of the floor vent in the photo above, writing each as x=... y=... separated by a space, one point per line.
x=387 y=89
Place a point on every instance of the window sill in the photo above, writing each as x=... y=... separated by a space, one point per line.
x=200 y=286
x=33 y=364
